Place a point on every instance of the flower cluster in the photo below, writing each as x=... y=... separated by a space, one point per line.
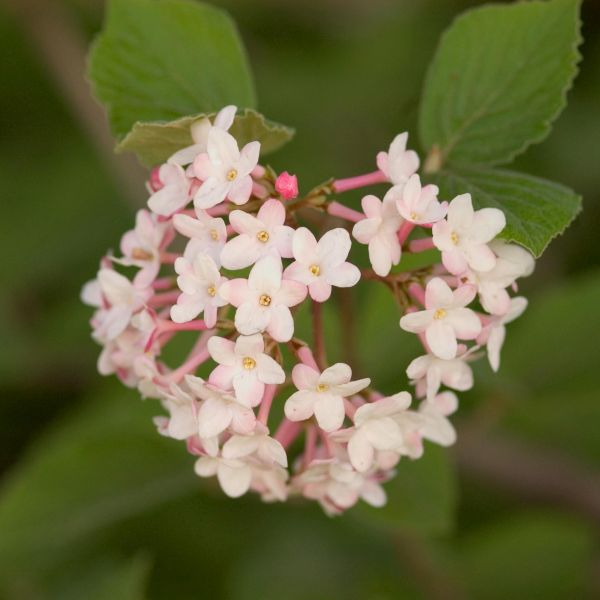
x=221 y=253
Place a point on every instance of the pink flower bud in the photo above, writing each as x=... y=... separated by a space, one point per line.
x=155 y=182
x=287 y=185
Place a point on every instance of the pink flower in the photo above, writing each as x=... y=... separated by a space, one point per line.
x=320 y=265
x=174 y=194
x=207 y=234
x=445 y=318
x=234 y=475
x=322 y=394
x=199 y=132
x=224 y=170
x=286 y=185
x=182 y=407
x=243 y=366
x=219 y=410
x=263 y=300
x=141 y=246
x=418 y=204
x=258 y=444
x=200 y=283
x=398 y=164
x=259 y=236
x=494 y=333
x=463 y=236
x=379 y=230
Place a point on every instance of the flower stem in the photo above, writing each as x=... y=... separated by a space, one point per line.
x=352 y=183
x=318 y=337
x=339 y=210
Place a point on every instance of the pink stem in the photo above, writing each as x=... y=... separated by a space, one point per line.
x=326 y=443
x=190 y=365
x=352 y=183
x=258 y=190
x=310 y=444
x=350 y=408
x=421 y=245
x=230 y=230
x=166 y=326
x=169 y=257
x=258 y=172
x=164 y=283
x=287 y=432
x=267 y=401
x=417 y=292
x=306 y=357
x=339 y=210
x=405 y=231
x=164 y=298
x=218 y=211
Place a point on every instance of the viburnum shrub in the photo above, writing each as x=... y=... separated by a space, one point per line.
x=229 y=250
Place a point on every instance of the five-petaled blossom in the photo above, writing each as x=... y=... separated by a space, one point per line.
x=225 y=256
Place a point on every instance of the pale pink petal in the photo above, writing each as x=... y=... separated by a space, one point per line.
x=336 y=374
x=360 y=452
x=239 y=446
x=416 y=322
x=333 y=247
x=210 y=193
x=248 y=389
x=380 y=255
x=243 y=420
x=298 y=271
x=480 y=258
x=371 y=206
x=343 y=275
x=250 y=318
x=222 y=377
x=319 y=290
x=272 y=213
x=304 y=377
x=487 y=224
x=291 y=292
x=494 y=345
x=438 y=294
x=249 y=345
x=269 y=370
x=240 y=190
x=221 y=350
x=235 y=291
x=281 y=326
x=455 y=261
x=365 y=230
x=300 y=405
x=265 y=275
x=214 y=417
x=304 y=246
x=460 y=212
x=441 y=339
x=240 y=252
x=329 y=412
x=463 y=295
x=235 y=481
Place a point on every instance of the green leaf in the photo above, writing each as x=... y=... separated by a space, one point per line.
x=165 y=59
x=154 y=142
x=527 y=556
x=422 y=498
x=104 y=464
x=536 y=210
x=498 y=80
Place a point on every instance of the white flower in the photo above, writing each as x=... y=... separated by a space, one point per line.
x=322 y=394
x=375 y=430
x=174 y=194
x=234 y=475
x=445 y=318
x=182 y=407
x=380 y=231
x=118 y=298
x=263 y=300
x=428 y=372
x=243 y=366
x=141 y=246
x=512 y=262
x=463 y=236
x=398 y=164
x=259 y=444
x=320 y=265
x=418 y=204
x=337 y=486
x=199 y=132
x=429 y=423
x=207 y=234
x=224 y=170
x=259 y=236
x=200 y=283
x=219 y=410
x=494 y=333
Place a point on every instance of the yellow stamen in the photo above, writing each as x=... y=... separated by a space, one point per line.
x=413 y=216
x=140 y=254
x=454 y=237
x=315 y=270
x=231 y=174
x=212 y=291
x=214 y=234
x=264 y=300
x=322 y=387
x=440 y=313
x=263 y=236
x=249 y=363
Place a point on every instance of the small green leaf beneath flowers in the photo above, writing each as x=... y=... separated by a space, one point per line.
x=536 y=210
x=498 y=80
x=154 y=142
x=165 y=59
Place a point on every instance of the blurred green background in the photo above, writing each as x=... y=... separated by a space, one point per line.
x=94 y=504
